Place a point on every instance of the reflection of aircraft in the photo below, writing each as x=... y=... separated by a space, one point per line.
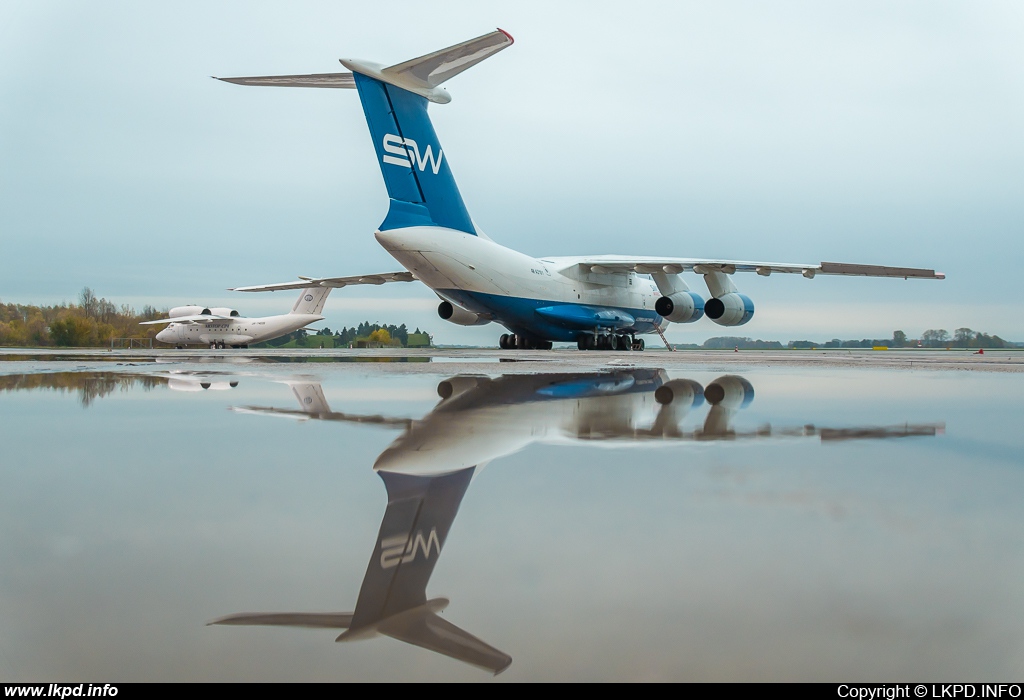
x=392 y=600
x=599 y=302
x=219 y=328
x=427 y=470
x=198 y=383
x=93 y=385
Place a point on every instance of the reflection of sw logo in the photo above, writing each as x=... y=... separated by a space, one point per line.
x=406 y=152
x=402 y=550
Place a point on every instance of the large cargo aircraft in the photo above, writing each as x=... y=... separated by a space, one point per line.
x=598 y=302
x=224 y=327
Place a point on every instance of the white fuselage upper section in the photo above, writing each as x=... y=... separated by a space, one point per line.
x=235 y=331
x=445 y=259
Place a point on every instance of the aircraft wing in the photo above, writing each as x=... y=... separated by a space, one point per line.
x=202 y=318
x=333 y=282
x=383 y=421
x=647 y=265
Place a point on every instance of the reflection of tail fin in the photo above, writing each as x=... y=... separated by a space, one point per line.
x=311 y=300
x=311 y=397
x=393 y=597
x=413 y=532
x=330 y=621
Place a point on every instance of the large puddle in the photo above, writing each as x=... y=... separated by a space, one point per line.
x=193 y=522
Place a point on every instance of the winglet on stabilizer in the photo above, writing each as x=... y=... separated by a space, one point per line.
x=422 y=76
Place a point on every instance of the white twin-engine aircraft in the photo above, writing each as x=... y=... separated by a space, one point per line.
x=222 y=328
x=599 y=302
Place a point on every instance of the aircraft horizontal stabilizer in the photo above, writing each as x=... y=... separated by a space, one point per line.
x=433 y=632
x=315 y=80
x=421 y=76
x=431 y=70
x=333 y=621
x=333 y=282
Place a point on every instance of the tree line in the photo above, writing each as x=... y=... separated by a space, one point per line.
x=92 y=322
x=933 y=338
x=385 y=334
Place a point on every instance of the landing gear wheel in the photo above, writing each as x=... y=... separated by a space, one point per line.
x=638 y=345
x=604 y=342
x=622 y=343
x=503 y=341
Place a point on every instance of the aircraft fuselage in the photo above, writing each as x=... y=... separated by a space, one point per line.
x=235 y=331
x=529 y=295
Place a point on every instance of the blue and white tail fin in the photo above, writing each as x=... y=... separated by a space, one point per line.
x=394 y=98
x=419 y=180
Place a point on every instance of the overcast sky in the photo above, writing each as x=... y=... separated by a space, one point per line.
x=884 y=133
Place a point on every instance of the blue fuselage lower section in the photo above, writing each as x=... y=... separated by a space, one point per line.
x=554 y=320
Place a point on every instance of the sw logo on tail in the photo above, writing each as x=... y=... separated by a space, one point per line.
x=410 y=154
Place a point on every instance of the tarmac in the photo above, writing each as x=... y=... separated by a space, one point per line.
x=482 y=359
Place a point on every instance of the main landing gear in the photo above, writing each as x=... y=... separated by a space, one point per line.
x=511 y=341
x=608 y=341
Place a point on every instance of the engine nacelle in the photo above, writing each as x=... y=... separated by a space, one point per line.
x=684 y=393
x=460 y=316
x=457 y=386
x=179 y=311
x=730 y=309
x=224 y=311
x=729 y=391
x=680 y=307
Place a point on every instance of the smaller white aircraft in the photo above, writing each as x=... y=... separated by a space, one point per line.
x=223 y=327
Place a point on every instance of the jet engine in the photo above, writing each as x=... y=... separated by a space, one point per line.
x=680 y=307
x=223 y=311
x=731 y=309
x=729 y=391
x=683 y=392
x=179 y=311
x=458 y=385
x=460 y=316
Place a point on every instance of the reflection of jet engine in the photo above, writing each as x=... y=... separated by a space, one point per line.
x=458 y=315
x=224 y=311
x=459 y=385
x=680 y=307
x=731 y=309
x=730 y=392
x=684 y=393
x=179 y=311
x=193 y=385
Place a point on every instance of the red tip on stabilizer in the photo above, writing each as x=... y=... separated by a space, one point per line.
x=510 y=39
